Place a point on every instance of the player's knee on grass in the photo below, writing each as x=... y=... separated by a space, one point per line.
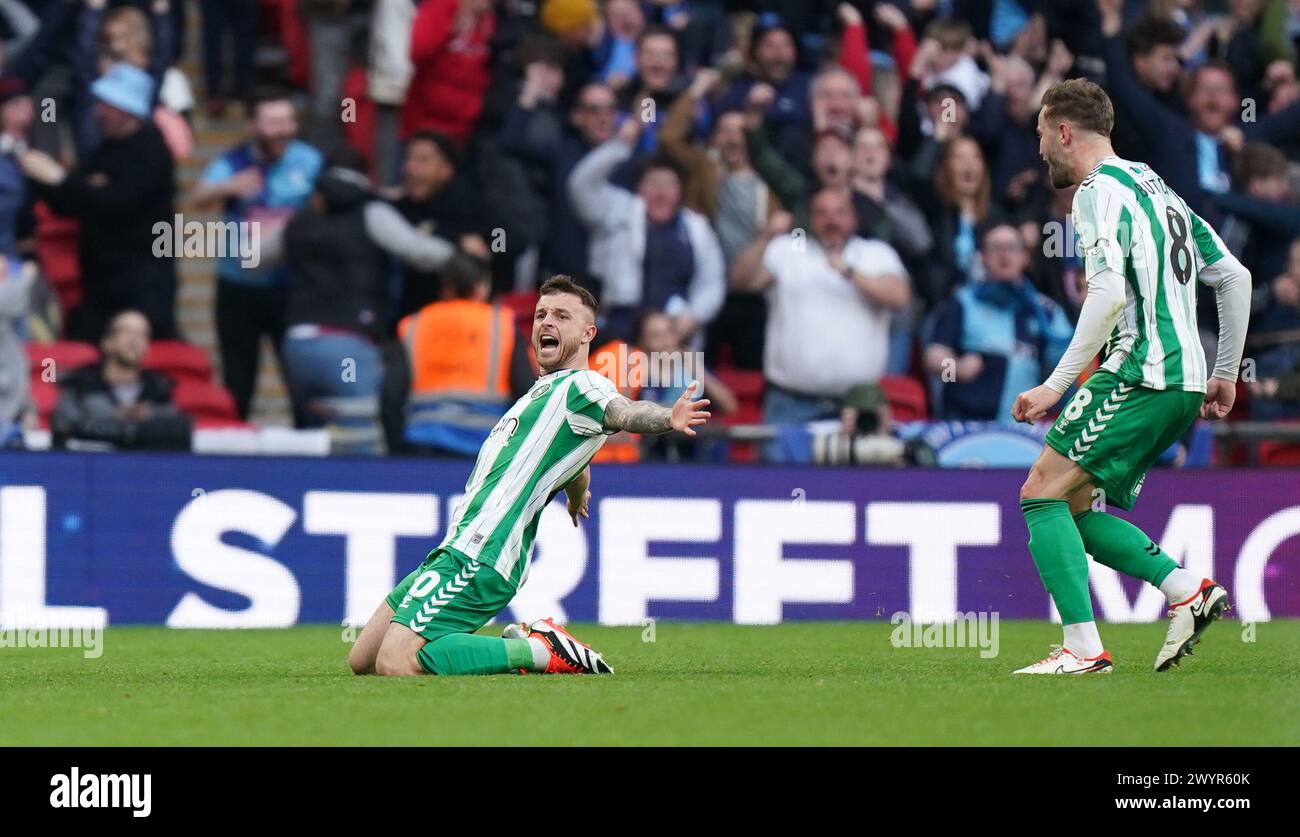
x=398 y=653
x=365 y=651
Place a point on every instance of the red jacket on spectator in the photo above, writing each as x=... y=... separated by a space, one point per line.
x=451 y=70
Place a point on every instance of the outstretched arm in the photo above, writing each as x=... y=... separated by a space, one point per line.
x=646 y=417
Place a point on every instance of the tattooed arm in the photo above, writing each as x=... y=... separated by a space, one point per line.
x=646 y=417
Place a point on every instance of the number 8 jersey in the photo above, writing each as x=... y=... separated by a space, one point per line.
x=1129 y=221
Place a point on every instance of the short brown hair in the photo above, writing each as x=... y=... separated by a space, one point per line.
x=1256 y=160
x=1082 y=102
x=952 y=34
x=561 y=284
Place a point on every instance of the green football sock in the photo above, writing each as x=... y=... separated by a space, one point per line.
x=1122 y=546
x=473 y=654
x=1057 y=548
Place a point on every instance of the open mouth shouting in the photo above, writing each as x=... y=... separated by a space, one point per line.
x=548 y=346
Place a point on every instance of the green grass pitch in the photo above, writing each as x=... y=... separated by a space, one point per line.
x=798 y=683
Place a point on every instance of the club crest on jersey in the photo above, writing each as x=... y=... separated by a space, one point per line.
x=538 y=392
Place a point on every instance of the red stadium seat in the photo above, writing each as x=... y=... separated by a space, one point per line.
x=56 y=253
x=66 y=355
x=748 y=388
x=747 y=385
x=1279 y=454
x=204 y=400
x=45 y=395
x=207 y=423
x=522 y=305
x=906 y=397
x=181 y=361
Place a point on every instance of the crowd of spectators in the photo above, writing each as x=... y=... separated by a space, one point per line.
x=831 y=197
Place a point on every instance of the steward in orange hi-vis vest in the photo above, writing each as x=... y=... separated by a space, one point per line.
x=612 y=361
x=459 y=353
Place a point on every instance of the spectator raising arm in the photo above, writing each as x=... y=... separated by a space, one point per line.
x=748 y=272
x=595 y=199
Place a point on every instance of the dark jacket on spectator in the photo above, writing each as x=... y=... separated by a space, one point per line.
x=540 y=138
x=88 y=410
x=337 y=276
x=119 y=193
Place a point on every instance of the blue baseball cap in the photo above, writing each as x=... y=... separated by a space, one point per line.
x=127 y=88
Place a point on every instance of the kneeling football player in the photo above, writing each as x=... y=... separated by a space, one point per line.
x=542 y=445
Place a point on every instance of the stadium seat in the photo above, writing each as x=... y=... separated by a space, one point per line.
x=747 y=385
x=179 y=360
x=906 y=398
x=65 y=354
x=45 y=395
x=522 y=306
x=56 y=253
x=204 y=400
x=1279 y=454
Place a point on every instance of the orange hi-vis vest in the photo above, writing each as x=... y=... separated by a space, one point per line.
x=459 y=349
x=622 y=446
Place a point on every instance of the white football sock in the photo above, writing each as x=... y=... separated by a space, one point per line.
x=541 y=653
x=1082 y=639
x=1180 y=585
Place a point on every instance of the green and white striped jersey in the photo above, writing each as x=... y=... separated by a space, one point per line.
x=1130 y=222
x=541 y=443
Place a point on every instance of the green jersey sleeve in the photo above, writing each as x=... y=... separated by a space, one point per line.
x=1103 y=224
x=589 y=395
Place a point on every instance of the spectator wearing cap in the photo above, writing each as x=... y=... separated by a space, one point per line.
x=121 y=192
x=126 y=34
x=450 y=57
x=439 y=199
x=338 y=303
x=994 y=337
x=264 y=181
x=925 y=121
x=783 y=91
x=649 y=251
x=830 y=295
x=17 y=113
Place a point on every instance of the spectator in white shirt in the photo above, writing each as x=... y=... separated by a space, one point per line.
x=829 y=296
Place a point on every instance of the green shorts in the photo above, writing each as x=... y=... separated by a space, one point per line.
x=1115 y=431
x=449 y=594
